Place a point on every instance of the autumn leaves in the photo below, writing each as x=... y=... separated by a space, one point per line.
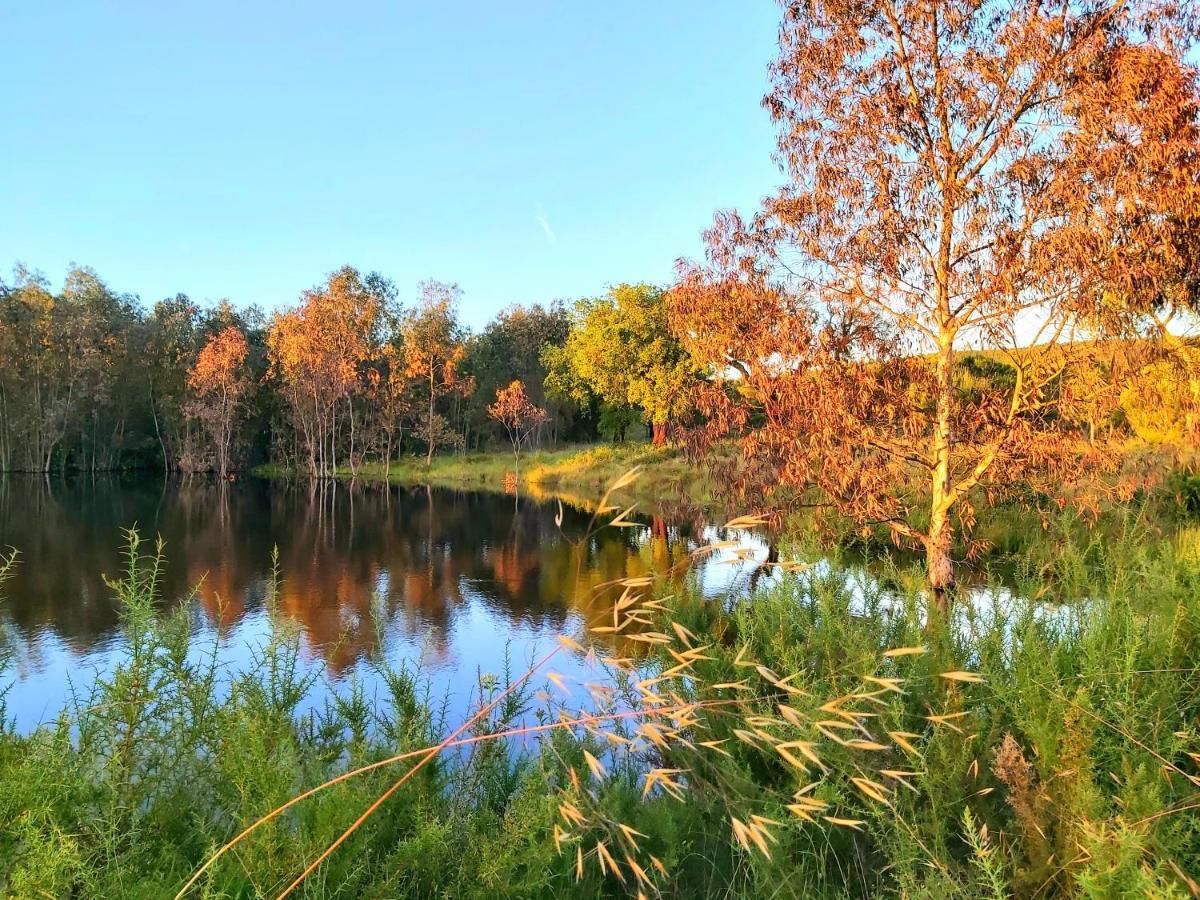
x=998 y=183
x=518 y=415
x=218 y=382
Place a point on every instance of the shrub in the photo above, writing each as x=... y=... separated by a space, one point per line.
x=811 y=737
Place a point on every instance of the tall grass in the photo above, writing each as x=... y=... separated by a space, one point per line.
x=809 y=739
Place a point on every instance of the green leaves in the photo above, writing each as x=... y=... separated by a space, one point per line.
x=621 y=349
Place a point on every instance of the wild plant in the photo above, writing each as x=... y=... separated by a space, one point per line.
x=812 y=737
x=823 y=746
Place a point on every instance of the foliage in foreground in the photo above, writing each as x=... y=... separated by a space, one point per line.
x=1068 y=770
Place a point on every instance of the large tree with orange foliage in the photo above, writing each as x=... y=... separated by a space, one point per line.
x=318 y=353
x=1012 y=177
x=218 y=383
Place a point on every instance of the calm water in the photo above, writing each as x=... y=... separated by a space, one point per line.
x=447 y=580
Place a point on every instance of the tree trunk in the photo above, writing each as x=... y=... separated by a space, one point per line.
x=162 y=445
x=333 y=432
x=939 y=564
x=226 y=432
x=659 y=432
x=429 y=421
x=350 y=450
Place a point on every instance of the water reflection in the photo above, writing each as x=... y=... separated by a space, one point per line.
x=441 y=577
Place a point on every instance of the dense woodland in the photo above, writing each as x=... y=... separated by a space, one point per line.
x=94 y=379
x=97 y=380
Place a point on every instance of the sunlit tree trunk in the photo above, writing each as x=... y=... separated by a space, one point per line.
x=333 y=439
x=226 y=427
x=350 y=408
x=939 y=564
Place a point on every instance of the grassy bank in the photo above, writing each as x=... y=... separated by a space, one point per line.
x=579 y=473
x=672 y=485
x=780 y=751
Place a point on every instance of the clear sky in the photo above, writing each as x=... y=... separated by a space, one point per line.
x=526 y=150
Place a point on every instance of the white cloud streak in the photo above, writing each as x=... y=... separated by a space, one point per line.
x=540 y=216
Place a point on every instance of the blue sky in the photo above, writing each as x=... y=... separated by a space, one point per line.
x=526 y=150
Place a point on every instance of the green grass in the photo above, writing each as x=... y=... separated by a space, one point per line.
x=579 y=472
x=1071 y=770
x=1078 y=751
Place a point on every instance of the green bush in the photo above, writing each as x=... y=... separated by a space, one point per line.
x=1069 y=770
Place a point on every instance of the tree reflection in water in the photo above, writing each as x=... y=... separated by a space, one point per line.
x=440 y=576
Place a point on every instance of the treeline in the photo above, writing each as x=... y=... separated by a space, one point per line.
x=92 y=379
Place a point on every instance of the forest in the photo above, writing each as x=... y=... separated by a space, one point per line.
x=94 y=380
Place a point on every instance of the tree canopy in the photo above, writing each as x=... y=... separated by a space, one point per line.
x=992 y=175
x=621 y=349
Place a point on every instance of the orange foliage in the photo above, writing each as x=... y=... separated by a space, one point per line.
x=218 y=382
x=433 y=351
x=961 y=176
x=517 y=413
x=317 y=352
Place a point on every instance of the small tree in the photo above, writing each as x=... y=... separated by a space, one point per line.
x=391 y=394
x=509 y=348
x=520 y=417
x=437 y=432
x=433 y=350
x=218 y=383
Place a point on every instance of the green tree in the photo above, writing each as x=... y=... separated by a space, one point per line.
x=67 y=357
x=35 y=390
x=621 y=350
x=510 y=349
x=169 y=344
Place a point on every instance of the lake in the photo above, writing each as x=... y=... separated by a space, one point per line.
x=451 y=582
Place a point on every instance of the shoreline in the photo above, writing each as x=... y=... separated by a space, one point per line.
x=578 y=474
